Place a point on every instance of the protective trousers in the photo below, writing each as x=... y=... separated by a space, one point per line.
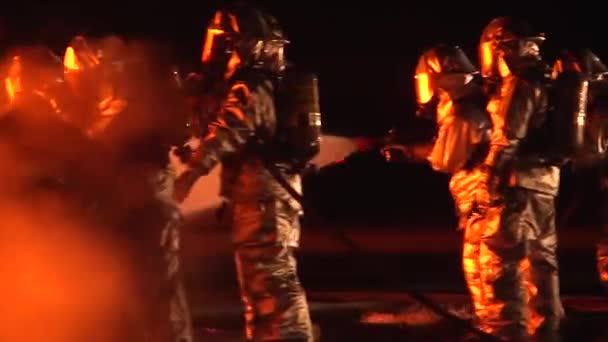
x=179 y=314
x=265 y=235
x=470 y=264
x=179 y=309
x=463 y=187
x=602 y=246
x=473 y=231
x=157 y=310
x=602 y=256
x=523 y=227
x=147 y=316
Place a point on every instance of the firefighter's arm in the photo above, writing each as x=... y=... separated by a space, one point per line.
x=510 y=118
x=227 y=134
x=510 y=115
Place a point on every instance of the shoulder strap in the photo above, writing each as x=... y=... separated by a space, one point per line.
x=269 y=165
x=276 y=174
x=261 y=139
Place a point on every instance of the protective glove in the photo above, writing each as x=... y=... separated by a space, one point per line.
x=487 y=192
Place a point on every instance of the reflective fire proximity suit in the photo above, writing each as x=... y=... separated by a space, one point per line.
x=589 y=67
x=263 y=216
x=448 y=88
x=581 y=74
x=134 y=114
x=519 y=188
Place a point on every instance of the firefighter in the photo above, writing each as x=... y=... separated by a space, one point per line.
x=134 y=110
x=520 y=180
x=258 y=181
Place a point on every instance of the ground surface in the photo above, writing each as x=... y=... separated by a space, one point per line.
x=358 y=287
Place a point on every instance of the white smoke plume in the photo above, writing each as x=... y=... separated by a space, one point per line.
x=205 y=194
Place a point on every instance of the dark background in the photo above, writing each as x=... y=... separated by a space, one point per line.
x=364 y=51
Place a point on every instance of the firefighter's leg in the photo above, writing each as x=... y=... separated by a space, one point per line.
x=544 y=266
x=535 y=319
x=179 y=308
x=179 y=314
x=470 y=264
x=602 y=246
x=275 y=303
x=152 y=286
x=502 y=252
x=602 y=258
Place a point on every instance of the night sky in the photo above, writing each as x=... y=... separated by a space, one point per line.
x=364 y=55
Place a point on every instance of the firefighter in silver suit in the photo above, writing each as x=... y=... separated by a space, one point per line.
x=575 y=71
x=449 y=90
x=134 y=114
x=248 y=44
x=519 y=186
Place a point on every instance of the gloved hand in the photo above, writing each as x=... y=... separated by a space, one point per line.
x=183 y=184
x=487 y=192
x=184 y=153
x=482 y=197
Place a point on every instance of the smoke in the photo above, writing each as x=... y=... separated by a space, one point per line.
x=205 y=197
x=65 y=276
x=205 y=194
x=61 y=278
